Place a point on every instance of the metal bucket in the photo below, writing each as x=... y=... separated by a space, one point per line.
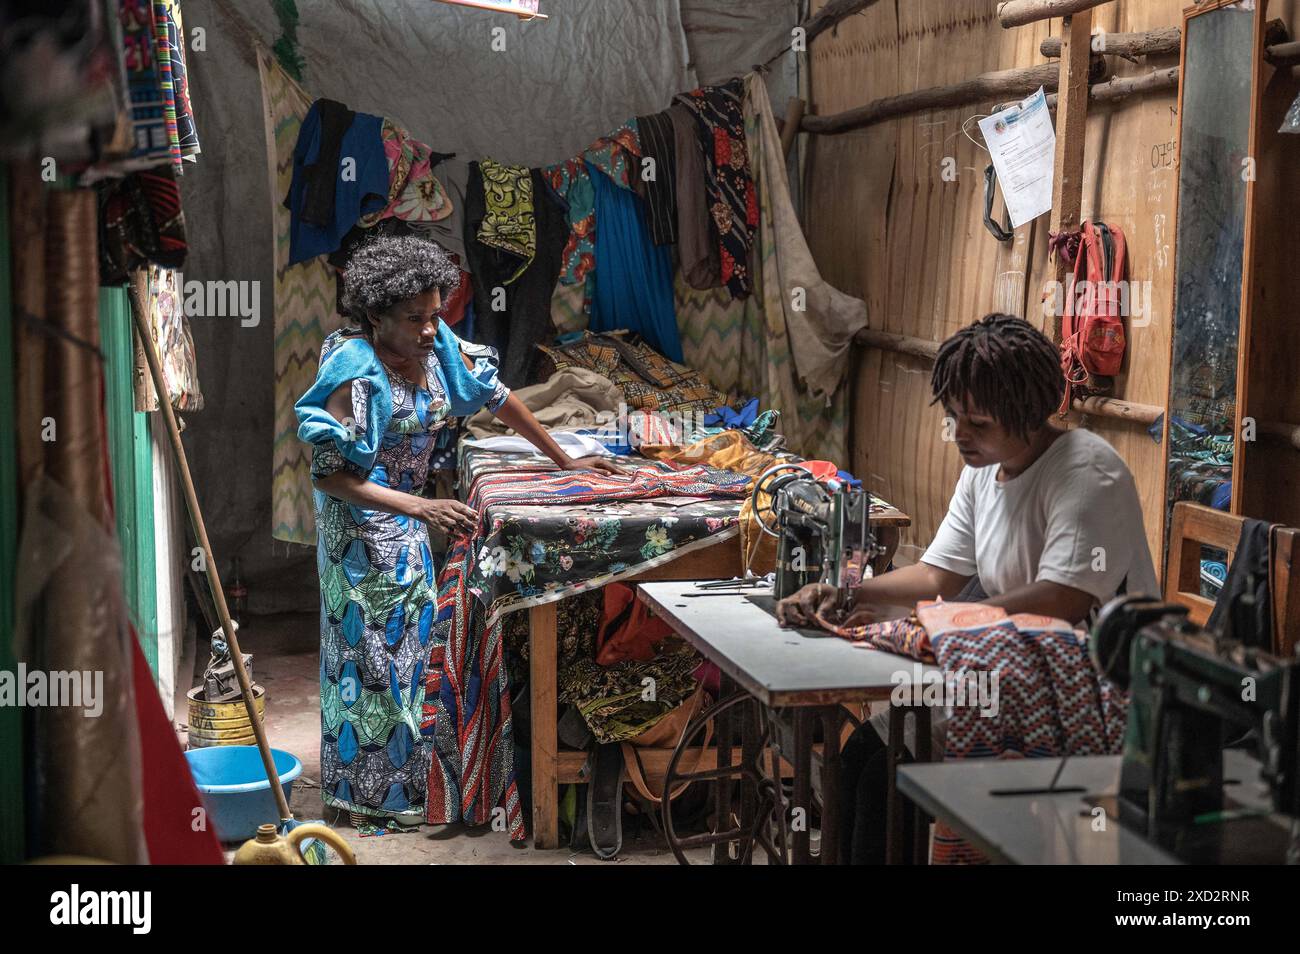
x=222 y=723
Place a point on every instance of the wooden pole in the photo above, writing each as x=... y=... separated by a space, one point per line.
x=1098 y=406
x=1283 y=54
x=983 y=88
x=1014 y=13
x=1127 y=45
x=201 y=534
x=1125 y=86
x=1071 y=120
x=794 y=108
x=1124 y=410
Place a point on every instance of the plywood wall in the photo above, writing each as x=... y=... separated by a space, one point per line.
x=884 y=224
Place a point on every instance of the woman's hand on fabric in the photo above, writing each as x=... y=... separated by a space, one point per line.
x=449 y=516
x=600 y=464
x=805 y=606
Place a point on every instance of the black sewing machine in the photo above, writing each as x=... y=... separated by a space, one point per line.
x=1191 y=693
x=823 y=529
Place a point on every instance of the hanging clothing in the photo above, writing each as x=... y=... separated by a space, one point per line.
x=165 y=316
x=320 y=152
x=150 y=88
x=733 y=204
x=415 y=195
x=319 y=178
x=570 y=181
x=141 y=222
x=821 y=333
x=514 y=318
x=659 y=142
x=449 y=231
x=633 y=287
x=508 y=221
x=171 y=36
x=697 y=238
x=376 y=569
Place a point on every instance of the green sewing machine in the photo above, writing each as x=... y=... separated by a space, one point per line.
x=1191 y=691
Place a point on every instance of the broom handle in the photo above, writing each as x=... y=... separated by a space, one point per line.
x=201 y=532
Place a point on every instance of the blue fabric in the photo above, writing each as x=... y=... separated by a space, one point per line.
x=467 y=391
x=353 y=197
x=633 y=278
x=728 y=417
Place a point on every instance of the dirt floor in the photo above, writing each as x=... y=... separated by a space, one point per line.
x=285 y=650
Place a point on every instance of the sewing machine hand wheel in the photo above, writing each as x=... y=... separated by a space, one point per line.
x=769 y=482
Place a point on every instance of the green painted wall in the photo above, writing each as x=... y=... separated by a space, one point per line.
x=131 y=454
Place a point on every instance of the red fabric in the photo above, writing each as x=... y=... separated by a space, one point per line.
x=627 y=630
x=166 y=783
x=453 y=309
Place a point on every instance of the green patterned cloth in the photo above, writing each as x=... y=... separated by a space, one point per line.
x=510 y=223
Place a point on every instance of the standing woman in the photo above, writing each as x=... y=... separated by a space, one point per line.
x=383 y=391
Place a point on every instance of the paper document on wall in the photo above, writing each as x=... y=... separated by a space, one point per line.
x=1022 y=143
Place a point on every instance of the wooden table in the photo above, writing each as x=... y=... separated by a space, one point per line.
x=1064 y=828
x=718 y=560
x=807 y=675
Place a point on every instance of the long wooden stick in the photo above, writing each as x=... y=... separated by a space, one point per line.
x=1014 y=13
x=201 y=533
x=1148 y=43
x=977 y=89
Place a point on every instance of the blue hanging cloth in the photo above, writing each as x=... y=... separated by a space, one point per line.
x=633 y=278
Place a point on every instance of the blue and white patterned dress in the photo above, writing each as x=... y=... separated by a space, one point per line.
x=378 y=592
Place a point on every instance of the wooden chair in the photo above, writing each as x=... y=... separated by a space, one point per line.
x=1194 y=526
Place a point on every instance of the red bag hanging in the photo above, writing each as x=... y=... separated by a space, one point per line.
x=1092 y=332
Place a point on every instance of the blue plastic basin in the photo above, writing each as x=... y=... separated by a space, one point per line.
x=235 y=792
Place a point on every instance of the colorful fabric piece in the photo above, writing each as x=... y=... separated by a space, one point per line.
x=509 y=223
x=498 y=569
x=648 y=380
x=304 y=312
x=633 y=288
x=414 y=194
x=572 y=183
x=377 y=601
x=141 y=222
x=733 y=203
x=168 y=14
x=1050 y=699
x=164 y=300
x=149 y=84
x=612 y=699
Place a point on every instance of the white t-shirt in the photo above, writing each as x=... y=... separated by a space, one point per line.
x=1072 y=517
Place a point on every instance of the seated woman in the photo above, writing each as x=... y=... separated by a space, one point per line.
x=1043 y=520
x=383 y=391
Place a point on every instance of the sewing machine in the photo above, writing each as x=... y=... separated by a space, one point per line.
x=822 y=528
x=1190 y=692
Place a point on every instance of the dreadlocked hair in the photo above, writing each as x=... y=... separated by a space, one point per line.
x=1004 y=366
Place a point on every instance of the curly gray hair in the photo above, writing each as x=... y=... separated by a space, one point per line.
x=393 y=268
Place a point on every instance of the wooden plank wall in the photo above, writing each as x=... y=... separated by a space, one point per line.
x=884 y=224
